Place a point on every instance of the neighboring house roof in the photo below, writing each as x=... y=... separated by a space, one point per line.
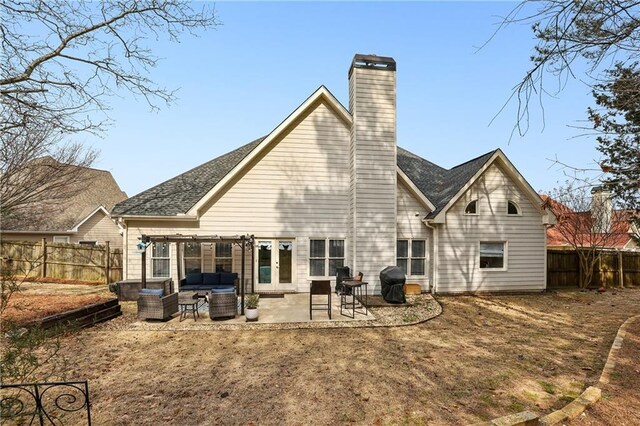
x=619 y=237
x=98 y=189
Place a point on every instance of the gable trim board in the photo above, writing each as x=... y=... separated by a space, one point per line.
x=328 y=173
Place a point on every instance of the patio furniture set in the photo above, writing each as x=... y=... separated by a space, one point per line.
x=218 y=289
x=160 y=302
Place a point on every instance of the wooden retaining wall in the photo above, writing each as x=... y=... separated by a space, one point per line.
x=66 y=261
x=86 y=316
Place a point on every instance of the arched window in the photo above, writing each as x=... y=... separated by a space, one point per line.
x=512 y=208
x=472 y=207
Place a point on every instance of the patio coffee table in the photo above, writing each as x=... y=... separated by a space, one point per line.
x=188 y=302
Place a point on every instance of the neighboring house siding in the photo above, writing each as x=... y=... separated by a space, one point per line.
x=100 y=228
x=299 y=189
x=458 y=267
x=410 y=227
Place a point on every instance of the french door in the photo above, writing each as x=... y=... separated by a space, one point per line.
x=274 y=263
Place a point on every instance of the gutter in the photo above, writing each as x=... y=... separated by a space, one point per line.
x=179 y=217
x=433 y=284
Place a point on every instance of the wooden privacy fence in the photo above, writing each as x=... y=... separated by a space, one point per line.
x=65 y=261
x=614 y=269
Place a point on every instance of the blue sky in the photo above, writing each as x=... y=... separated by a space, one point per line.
x=240 y=81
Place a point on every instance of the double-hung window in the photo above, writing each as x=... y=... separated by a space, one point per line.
x=192 y=257
x=223 y=259
x=412 y=257
x=160 y=260
x=325 y=256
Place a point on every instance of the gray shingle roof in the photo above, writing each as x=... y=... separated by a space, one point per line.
x=437 y=184
x=179 y=194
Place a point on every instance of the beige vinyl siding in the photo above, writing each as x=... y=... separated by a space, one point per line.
x=100 y=228
x=459 y=239
x=410 y=227
x=373 y=179
x=297 y=189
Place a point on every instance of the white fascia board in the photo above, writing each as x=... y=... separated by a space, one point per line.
x=415 y=190
x=513 y=173
x=87 y=217
x=321 y=94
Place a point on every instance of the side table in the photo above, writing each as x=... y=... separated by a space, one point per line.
x=188 y=303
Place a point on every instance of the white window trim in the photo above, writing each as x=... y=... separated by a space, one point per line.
x=505 y=262
x=477 y=208
x=184 y=258
x=66 y=239
x=326 y=255
x=410 y=257
x=215 y=257
x=153 y=257
x=517 y=208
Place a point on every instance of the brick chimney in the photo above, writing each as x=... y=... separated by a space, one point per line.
x=373 y=159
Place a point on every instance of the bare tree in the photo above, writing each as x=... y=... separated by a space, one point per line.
x=37 y=172
x=585 y=221
x=61 y=62
x=584 y=35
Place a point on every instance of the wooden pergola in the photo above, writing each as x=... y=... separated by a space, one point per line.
x=243 y=241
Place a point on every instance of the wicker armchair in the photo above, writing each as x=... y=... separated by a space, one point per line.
x=154 y=307
x=223 y=304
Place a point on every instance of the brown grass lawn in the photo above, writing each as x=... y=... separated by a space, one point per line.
x=484 y=357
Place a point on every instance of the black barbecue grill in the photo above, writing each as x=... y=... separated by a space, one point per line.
x=392 y=281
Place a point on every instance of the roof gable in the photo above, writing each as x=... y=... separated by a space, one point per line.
x=186 y=194
x=439 y=185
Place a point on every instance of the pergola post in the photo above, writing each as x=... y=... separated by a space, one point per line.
x=242 y=245
x=253 y=263
x=144 y=270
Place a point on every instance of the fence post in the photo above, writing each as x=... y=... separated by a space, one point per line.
x=620 y=270
x=43 y=253
x=107 y=261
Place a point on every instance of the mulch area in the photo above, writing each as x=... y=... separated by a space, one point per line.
x=377 y=301
x=24 y=307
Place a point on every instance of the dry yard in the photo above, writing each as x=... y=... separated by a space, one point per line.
x=482 y=358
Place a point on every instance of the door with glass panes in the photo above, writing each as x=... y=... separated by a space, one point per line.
x=274 y=263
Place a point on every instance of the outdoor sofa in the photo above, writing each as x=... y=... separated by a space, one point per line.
x=203 y=282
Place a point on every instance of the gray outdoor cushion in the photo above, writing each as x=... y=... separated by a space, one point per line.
x=152 y=291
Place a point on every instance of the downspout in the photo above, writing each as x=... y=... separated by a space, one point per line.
x=433 y=285
x=122 y=224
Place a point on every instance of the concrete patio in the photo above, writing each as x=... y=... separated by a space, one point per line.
x=292 y=308
x=291 y=312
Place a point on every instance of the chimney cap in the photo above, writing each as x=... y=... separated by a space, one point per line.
x=383 y=63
